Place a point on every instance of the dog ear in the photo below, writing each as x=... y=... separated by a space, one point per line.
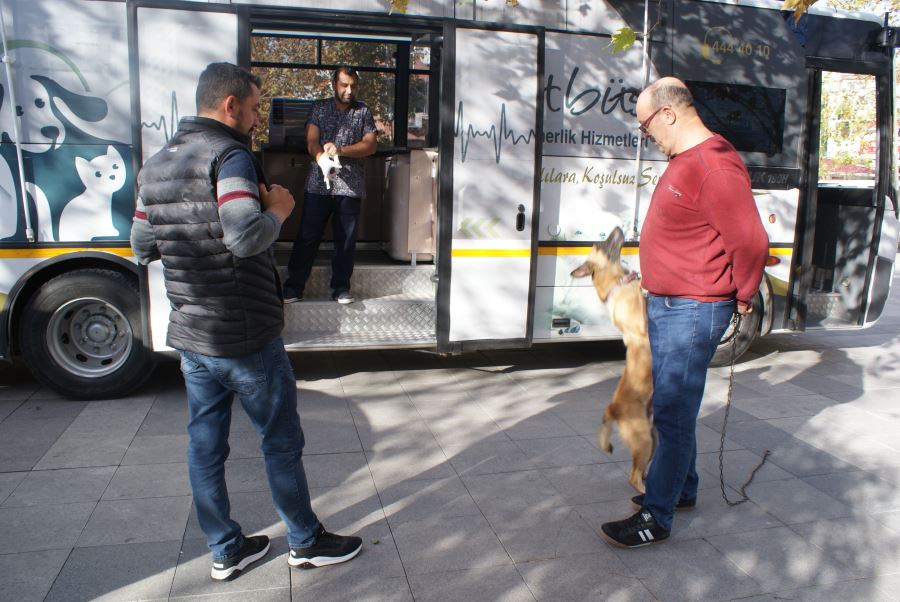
x=613 y=244
x=582 y=271
x=89 y=108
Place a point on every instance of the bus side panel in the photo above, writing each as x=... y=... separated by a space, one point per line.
x=70 y=71
x=588 y=183
x=746 y=70
x=174 y=46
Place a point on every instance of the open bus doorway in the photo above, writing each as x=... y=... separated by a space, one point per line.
x=851 y=226
x=394 y=269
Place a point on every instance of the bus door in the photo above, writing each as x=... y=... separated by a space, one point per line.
x=172 y=47
x=848 y=224
x=490 y=141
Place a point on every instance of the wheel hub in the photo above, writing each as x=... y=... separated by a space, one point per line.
x=89 y=337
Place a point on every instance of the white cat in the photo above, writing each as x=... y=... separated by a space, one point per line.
x=89 y=215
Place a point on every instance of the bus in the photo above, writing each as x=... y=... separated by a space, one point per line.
x=507 y=146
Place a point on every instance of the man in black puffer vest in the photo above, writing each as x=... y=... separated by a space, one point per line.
x=204 y=208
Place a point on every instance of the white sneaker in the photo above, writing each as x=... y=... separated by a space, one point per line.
x=343 y=297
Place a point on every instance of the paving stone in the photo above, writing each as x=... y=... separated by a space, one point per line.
x=65 y=486
x=780 y=558
x=156 y=449
x=7 y=406
x=136 y=521
x=390 y=467
x=28 y=576
x=329 y=470
x=864 y=492
x=149 y=481
x=420 y=500
x=859 y=542
x=499 y=584
x=513 y=491
x=592 y=483
x=688 y=570
x=586 y=577
x=446 y=544
x=490 y=457
x=545 y=534
x=141 y=571
x=8 y=483
x=34 y=528
x=23 y=442
x=857 y=589
x=563 y=451
x=794 y=501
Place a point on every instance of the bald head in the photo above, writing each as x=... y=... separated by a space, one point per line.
x=669 y=91
x=666 y=114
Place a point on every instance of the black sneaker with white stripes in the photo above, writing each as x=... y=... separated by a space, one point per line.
x=250 y=551
x=328 y=549
x=640 y=529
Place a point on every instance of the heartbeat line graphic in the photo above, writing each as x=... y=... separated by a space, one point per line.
x=167 y=128
x=499 y=135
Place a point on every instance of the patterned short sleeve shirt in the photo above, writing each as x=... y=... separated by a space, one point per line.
x=343 y=129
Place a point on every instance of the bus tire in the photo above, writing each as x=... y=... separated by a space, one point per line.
x=80 y=334
x=749 y=330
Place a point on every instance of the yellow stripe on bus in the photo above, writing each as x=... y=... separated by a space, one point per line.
x=579 y=250
x=45 y=252
x=630 y=250
x=491 y=253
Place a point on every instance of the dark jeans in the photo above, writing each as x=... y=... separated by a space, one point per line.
x=344 y=214
x=265 y=384
x=684 y=334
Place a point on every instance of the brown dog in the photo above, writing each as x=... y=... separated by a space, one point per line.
x=630 y=406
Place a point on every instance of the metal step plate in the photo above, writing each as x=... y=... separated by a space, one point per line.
x=364 y=316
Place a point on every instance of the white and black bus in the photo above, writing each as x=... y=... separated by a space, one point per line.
x=507 y=146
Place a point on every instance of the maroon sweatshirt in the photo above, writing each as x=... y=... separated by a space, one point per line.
x=702 y=237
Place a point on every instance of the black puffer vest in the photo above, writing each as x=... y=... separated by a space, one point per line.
x=222 y=305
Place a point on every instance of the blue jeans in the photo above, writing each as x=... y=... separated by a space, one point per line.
x=265 y=385
x=344 y=214
x=684 y=334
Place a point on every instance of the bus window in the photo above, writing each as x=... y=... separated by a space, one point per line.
x=300 y=65
x=848 y=135
x=417 y=111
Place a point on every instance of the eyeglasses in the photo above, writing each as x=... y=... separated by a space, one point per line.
x=646 y=123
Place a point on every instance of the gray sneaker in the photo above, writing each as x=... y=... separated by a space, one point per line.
x=343 y=297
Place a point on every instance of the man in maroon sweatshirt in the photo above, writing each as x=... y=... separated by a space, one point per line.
x=703 y=250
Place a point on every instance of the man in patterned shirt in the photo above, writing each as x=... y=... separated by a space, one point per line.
x=340 y=127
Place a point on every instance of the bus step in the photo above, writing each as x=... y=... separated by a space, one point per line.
x=387 y=320
x=375 y=281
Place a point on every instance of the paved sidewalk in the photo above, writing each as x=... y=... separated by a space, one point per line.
x=473 y=478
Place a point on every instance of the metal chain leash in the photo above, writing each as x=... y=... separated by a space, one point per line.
x=736 y=329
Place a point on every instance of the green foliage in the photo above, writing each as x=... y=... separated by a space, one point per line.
x=622 y=39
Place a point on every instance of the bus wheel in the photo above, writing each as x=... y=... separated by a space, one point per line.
x=80 y=334
x=749 y=329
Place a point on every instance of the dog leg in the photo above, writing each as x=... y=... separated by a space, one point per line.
x=637 y=434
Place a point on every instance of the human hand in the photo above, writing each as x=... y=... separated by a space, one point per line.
x=277 y=200
x=331 y=149
x=744 y=308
